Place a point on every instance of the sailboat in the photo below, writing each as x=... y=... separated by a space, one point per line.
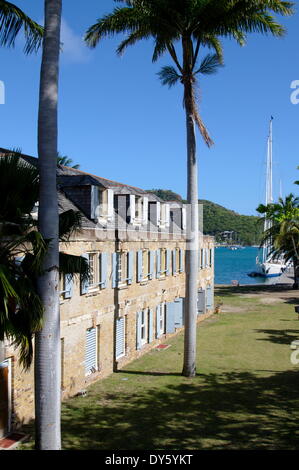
x=268 y=266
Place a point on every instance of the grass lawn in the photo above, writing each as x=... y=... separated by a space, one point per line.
x=245 y=395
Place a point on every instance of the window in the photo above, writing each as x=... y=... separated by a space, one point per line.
x=164 y=215
x=210 y=257
x=92 y=350
x=94 y=270
x=65 y=286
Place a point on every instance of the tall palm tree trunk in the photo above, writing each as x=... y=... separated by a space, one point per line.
x=189 y=367
x=47 y=356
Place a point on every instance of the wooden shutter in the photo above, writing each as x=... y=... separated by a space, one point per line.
x=120 y=338
x=138 y=330
x=158 y=263
x=114 y=271
x=170 y=317
x=104 y=270
x=139 y=266
x=130 y=267
x=151 y=264
x=167 y=254
x=181 y=260
x=68 y=286
x=201 y=302
x=91 y=351
x=179 y=313
x=174 y=268
x=150 y=326
x=210 y=296
x=158 y=309
x=84 y=283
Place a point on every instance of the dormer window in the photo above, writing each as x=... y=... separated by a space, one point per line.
x=138 y=210
x=164 y=215
x=102 y=204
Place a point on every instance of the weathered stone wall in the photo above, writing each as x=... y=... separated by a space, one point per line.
x=101 y=308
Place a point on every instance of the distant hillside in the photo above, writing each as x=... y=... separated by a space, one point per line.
x=217 y=220
x=165 y=194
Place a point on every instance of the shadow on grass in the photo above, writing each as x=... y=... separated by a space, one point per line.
x=154 y=373
x=235 y=410
x=251 y=289
x=279 y=336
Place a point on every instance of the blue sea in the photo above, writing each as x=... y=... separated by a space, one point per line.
x=236 y=264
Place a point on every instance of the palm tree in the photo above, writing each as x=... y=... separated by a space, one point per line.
x=194 y=24
x=47 y=358
x=283 y=235
x=12 y=21
x=64 y=160
x=22 y=250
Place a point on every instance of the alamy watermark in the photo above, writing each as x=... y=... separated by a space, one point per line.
x=2 y=92
x=295 y=94
x=295 y=354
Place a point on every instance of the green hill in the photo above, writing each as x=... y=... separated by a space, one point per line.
x=246 y=229
x=219 y=221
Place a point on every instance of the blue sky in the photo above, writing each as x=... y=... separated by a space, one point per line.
x=117 y=121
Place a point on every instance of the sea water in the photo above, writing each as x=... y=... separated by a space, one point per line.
x=235 y=265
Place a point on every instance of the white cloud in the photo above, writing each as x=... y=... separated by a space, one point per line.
x=73 y=47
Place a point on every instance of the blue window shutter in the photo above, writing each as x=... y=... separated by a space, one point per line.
x=210 y=297
x=130 y=267
x=182 y=260
x=120 y=337
x=158 y=263
x=91 y=351
x=201 y=302
x=158 y=334
x=69 y=285
x=174 y=269
x=138 y=330
x=114 y=271
x=84 y=283
x=150 y=326
x=104 y=269
x=170 y=320
x=167 y=254
x=139 y=266
x=179 y=312
x=151 y=264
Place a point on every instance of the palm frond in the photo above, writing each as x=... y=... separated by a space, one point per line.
x=73 y=265
x=12 y=20
x=209 y=65
x=169 y=76
x=69 y=222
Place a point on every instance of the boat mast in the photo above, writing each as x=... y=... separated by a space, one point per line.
x=269 y=187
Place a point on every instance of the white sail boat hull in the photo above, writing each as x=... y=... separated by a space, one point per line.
x=270 y=269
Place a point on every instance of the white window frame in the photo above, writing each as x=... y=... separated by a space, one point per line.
x=122 y=267
x=95 y=286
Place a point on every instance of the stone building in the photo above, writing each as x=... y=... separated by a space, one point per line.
x=135 y=245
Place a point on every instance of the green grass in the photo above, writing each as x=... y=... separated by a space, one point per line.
x=245 y=395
